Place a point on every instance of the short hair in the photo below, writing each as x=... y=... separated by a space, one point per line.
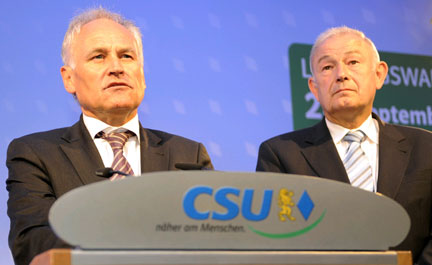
x=340 y=31
x=78 y=21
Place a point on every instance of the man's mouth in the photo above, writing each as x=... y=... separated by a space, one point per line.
x=341 y=90
x=118 y=84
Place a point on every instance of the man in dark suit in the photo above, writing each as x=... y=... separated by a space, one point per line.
x=102 y=53
x=389 y=159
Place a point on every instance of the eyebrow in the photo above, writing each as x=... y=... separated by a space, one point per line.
x=125 y=50
x=96 y=50
x=105 y=50
x=346 y=53
x=323 y=58
x=355 y=51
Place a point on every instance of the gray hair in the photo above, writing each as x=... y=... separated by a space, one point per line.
x=89 y=15
x=340 y=31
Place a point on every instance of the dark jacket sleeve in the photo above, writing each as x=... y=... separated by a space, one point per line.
x=426 y=256
x=268 y=161
x=30 y=198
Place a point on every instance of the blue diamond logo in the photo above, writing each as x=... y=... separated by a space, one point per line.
x=305 y=205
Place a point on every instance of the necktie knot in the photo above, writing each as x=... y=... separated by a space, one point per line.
x=117 y=140
x=356 y=136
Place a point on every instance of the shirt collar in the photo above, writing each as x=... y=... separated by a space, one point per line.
x=94 y=126
x=369 y=127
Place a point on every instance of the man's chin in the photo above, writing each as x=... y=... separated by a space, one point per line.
x=345 y=109
x=122 y=108
x=346 y=104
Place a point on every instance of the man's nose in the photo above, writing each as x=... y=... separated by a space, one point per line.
x=116 y=67
x=341 y=73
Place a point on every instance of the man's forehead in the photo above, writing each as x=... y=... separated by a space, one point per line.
x=104 y=28
x=340 y=45
x=104 y=32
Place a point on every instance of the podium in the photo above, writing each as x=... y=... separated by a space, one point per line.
x=211 y=217
x=63 y=257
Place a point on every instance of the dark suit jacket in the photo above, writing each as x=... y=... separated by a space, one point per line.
x=405 y=170
x=44 y=166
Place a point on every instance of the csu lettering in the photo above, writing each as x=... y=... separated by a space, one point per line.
x=221 y=198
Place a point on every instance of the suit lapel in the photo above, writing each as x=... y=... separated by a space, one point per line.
x=154 y=155
x=82 y=152
x=392 y=147
x=321 y=154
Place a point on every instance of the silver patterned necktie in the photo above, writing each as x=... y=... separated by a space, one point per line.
x=356 y=163
x=117 y=140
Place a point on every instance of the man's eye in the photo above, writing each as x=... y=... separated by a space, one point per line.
x=353 y=62
x=127 y=56
x=99 y=56
x=326 y=68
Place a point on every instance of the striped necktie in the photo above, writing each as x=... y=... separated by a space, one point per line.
x=117 y=140
x=356 y=163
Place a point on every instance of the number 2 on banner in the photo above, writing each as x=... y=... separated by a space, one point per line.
x=313 y=113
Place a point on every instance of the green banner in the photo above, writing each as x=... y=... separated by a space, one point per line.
x=406 y=97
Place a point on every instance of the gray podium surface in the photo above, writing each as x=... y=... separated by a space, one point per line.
x=229 y=257
x=210 y=210
x=92 y=257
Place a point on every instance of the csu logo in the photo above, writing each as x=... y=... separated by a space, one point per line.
x=232 y=209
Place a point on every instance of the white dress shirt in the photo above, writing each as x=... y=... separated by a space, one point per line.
x=369 y=145
x=131 y=150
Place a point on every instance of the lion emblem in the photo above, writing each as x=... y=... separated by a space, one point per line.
x=285 y=202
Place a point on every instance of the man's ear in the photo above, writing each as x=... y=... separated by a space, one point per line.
x=380 y=74
x=67 y=76
x=313 y=88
